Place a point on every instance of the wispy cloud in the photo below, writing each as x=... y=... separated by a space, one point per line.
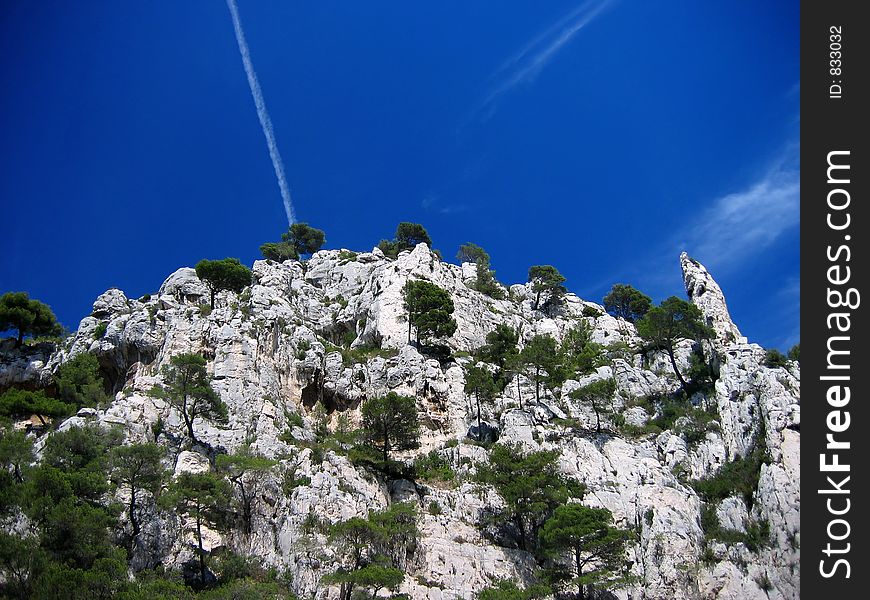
x=739 y=225
x=530 y=60
x=733 y=230
x=432 y=203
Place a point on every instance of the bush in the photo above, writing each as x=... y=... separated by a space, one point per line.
x=204 y=310
x=100 y=330
x=433 y=467
x=738 y=476
x=346 y=256
x=591 y=311
x=773 y=358
x=434 y=508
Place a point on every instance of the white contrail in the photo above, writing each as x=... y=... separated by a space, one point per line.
x=262 y=113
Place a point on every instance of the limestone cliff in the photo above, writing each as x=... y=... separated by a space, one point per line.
x=273 y=352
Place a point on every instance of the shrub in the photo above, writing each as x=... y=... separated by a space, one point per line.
x=433 y=467
x=738 y=476
x=591 y=311
x=773 y=358
x=204 y=310
x=434 y=508
x=100 y=330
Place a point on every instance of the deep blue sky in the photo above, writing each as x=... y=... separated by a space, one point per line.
x=602 y=142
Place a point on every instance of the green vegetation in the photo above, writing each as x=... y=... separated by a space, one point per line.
x=599 y=395
x=372 y=550
x=433 y=467
x=23 y=403
x=588 y=539
x=429 y=310
x=740 y=476
x=500 y=348
x=236 y=468
x=690 y=422
x=223 y=275
x=531 y=486
x=540 y=361
x=773 y=358
x=480 y=383
x=794 y=353
x=299 y=240
x=546 y=282
x=70 y=503
x=100 y=330
x=485 y=282
x=669 y=322
x=346 y=256
x=408 y=235
x=626 y=302
x=755 y=537
x=579 y=354
x=79 y=382
x=278 y=251
x=188 y=389
x=137 y=468
x=505 y=589
x=390 y=423
x=202 y=496
x=28 y=317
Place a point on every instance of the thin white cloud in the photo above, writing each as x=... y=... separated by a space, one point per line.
x=738 y=226
x=530 y=60
x=432 y=203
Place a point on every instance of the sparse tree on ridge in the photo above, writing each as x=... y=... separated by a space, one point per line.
x=626 y=302
x=408 y=235
x=227 y=274
x=304 y=238
x=546 y=282
x=26 y=316
x=299 y=240
x=278 y=251
x=485 y=282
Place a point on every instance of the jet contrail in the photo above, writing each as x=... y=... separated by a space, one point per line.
x=262 y=113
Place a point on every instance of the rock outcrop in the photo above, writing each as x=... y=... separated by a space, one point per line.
x=706 y=294
x=334 y=331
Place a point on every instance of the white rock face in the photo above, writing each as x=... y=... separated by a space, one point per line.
x=706 y=294
x=272 y=354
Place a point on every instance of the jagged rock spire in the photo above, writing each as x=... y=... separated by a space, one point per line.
x=706 y=294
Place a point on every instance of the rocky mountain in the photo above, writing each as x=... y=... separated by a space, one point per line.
x=333 y=331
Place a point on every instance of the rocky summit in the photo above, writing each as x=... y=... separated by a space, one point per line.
x=295 y=355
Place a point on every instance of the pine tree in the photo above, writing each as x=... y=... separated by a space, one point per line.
x=391 y=423
x=227 y=274
x=595 y=547
x=672 y=320
x=188 y=389
x=28 y=317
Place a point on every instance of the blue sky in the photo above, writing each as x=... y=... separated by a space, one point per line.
x=601 y=137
